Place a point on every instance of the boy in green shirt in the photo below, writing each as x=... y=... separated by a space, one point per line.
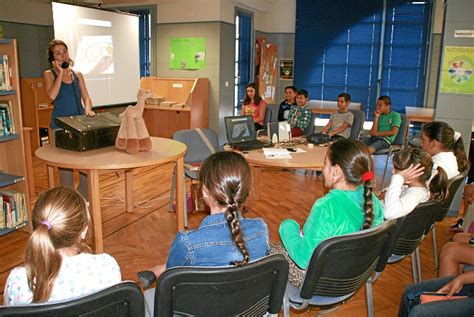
x=385 y=127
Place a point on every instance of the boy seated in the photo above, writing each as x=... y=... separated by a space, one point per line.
x=385 y=127
x=300 y=116
x=285 y=105
x=340 y=122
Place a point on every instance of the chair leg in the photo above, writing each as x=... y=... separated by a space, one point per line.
x=173 y=188
x=435 y=246
x=369 y=299
x=286 y=306
x=385 y=170
x=414 y=269
x=418 y=263
x=185 y=209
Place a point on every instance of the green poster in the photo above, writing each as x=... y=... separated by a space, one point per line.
x=187 y=53
x=458 y=65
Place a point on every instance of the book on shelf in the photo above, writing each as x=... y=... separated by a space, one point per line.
x=13 y=209
x=7 y=126
x=5 y=73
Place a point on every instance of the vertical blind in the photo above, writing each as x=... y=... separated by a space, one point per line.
x=338 y=48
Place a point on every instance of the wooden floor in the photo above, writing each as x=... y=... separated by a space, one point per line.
x=141 y=239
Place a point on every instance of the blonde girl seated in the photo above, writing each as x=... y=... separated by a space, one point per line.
x=409 y=184
x=57 y=264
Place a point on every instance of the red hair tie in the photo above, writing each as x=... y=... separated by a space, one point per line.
x=367 y=176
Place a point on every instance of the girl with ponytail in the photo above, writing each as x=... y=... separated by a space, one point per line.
x=445 y=146
x=57 y=265
x=225 y=237
x=349 y=206
x=410 y=183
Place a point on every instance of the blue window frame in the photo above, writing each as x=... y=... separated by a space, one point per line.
x=144 y=38
x=243 y=38
x=364 y=47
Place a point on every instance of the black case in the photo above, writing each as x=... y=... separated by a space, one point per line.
x=82 y=133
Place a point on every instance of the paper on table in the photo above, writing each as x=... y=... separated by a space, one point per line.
x=272 y=153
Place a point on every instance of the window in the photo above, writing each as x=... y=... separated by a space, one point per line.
x=243 y=37
x=144 y=38
x=364 y=47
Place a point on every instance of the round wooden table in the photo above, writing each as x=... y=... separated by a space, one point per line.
x=312 y=159
x=109 y=159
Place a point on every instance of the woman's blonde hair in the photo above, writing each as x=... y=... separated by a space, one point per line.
x=60 y=216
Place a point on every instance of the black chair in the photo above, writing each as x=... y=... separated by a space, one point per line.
x=266 y=120
x=396 y=145
x=443 y=209
x=251 y=290
x=124 y=299
x=310 y=128
x=357 y=124
x=403 y=240
x=339 y=266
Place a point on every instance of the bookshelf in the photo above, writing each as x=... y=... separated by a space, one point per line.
x=12 y=150
x=192 y=92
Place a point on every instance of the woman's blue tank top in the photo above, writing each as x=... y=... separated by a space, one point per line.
x=68 y=101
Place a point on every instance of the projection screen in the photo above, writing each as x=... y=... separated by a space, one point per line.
x=105 y=49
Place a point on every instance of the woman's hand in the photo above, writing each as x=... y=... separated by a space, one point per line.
x=57 y=66
x=411 y=173
x=89 y=113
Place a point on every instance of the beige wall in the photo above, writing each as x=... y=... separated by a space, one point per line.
x=24 y=11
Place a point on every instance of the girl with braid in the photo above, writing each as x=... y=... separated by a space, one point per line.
x=349 y=206
x=224 y=237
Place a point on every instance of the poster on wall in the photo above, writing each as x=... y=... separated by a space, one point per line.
x=286 y=69
x=456 y=74
x=187 y=53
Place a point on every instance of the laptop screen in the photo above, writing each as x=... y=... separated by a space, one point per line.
x=239 y=129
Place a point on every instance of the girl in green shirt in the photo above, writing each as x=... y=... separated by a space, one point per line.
x=349 y=206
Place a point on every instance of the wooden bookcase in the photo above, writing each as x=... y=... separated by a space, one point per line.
x=33 y=94
x=164 y=121
x=12 y=151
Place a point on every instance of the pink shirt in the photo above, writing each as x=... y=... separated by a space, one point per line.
x=254 y=110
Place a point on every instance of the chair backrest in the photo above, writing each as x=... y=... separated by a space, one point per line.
x=124 y=299
x=250 y=290
x=310 y=128
x=402 y=131
x=197 y=150
x=412 y=228
x=268 y=116
x=453 y=186
x=357 y=124
x=340 y=265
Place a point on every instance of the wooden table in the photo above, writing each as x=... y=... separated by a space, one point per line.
x=417 y=114
x=312 y=159
x=109 y=159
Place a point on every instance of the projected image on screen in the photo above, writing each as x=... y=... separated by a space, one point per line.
x=105 y=48
x=240 y=131
x=95 y=55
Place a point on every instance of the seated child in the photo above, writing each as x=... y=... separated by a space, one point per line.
x=409 y=184
x=349 y=206
x=385 y=127
x=340 y=122
x=224 y=238
x=57 y=264
x=285 y=105
x=300 y=116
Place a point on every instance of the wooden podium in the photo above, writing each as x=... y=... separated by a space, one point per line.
x=33 y=93
x=164 y=121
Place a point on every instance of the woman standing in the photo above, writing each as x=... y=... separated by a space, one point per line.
x=67 y=91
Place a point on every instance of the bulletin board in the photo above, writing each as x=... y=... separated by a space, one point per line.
x=187 y=53
x=268 y=69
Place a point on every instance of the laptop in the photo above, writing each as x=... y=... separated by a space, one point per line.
x=241 y=133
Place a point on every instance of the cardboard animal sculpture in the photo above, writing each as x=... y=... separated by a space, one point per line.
x=133 y=135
